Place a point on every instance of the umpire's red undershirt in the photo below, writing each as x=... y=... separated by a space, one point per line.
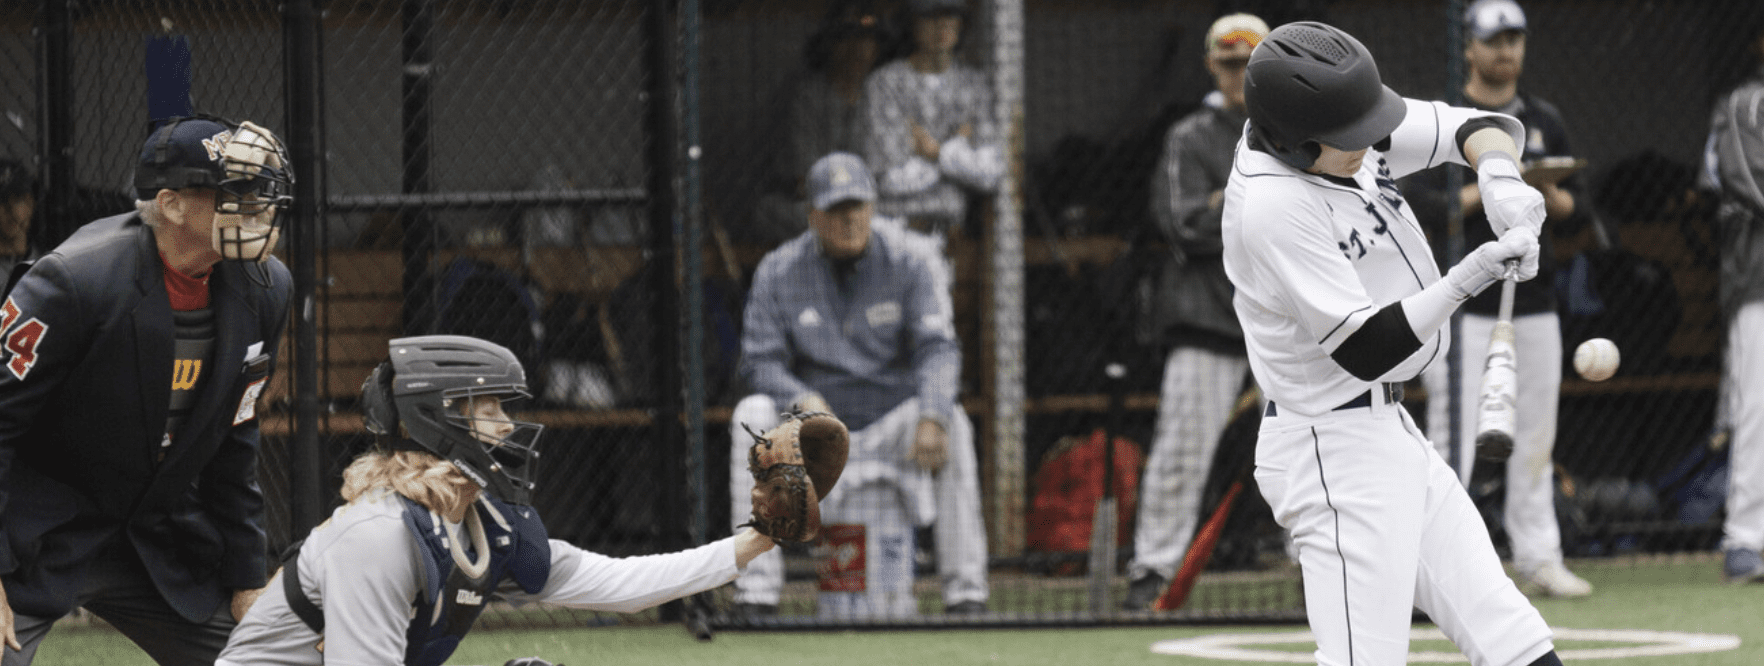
x=187 y=292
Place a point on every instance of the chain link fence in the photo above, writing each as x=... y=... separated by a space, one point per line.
x=538 y=173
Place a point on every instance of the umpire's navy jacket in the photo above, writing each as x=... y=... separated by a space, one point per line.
x=86 y=355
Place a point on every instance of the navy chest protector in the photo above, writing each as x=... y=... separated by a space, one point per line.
x=450 y=600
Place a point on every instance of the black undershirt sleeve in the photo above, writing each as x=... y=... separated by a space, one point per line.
x=1381 y=343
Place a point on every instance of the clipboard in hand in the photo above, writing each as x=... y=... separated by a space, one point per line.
x=1551 y=170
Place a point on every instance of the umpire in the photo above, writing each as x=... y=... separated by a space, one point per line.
x=133 y=358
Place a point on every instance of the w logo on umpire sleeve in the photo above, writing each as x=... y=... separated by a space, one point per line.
x=185 y=372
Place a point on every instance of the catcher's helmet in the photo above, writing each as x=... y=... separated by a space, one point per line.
x=246 y=166
x=417 y=401
x=1310 y=83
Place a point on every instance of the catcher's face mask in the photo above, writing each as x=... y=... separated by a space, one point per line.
x=250 y=196
x=505 y=447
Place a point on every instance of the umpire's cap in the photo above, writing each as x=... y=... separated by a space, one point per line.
x=1310 y=83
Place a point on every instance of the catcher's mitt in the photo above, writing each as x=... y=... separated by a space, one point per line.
x=794 y=465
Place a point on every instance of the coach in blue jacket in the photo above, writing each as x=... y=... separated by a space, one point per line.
x=131 y=360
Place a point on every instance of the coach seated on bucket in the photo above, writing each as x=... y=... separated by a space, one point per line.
x=853 y=317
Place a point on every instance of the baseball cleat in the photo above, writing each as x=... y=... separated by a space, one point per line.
x=1742 y=566
x=966 y=608
x=1555 y=580
x=1143 y=591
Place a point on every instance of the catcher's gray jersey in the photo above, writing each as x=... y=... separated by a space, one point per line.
x=361 y=568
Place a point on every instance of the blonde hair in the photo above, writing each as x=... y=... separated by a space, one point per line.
x=430 y=481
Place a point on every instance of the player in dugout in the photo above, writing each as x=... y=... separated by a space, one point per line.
x=1341 y=302
x=437 y=523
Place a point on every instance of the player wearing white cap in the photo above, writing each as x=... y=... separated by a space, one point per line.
x=1341 y=302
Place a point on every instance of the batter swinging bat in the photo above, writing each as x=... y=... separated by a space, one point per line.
x=1200 y=550
x=1496 y=409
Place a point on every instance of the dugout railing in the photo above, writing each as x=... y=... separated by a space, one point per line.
x=604 y=160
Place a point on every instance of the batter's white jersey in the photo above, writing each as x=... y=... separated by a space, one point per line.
x=1380 y=524
x=1326 y=256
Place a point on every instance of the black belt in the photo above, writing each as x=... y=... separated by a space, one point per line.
x=1392 y=391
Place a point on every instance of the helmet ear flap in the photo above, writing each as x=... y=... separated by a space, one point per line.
x=379 y=410
x=1301 y=157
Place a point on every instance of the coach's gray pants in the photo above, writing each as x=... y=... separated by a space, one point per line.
x=955 y=492
x=118 y=590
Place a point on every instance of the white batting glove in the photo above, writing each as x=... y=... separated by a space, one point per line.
x=1509 y=202
x=1488 y=263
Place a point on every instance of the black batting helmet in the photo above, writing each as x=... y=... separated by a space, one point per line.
x=417 y=400
x=1310 y=83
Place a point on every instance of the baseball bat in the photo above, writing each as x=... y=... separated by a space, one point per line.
x=1103 y=524
x=1496 y=410
x=1200 y=550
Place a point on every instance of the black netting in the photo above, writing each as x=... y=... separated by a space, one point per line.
x=492 y=168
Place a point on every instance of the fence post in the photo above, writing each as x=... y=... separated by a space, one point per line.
x=418 y=22
x=1003 y=327
x=692 y=253
x=55 y=118
x=300 y=33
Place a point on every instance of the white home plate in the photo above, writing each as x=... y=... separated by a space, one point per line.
x=1239 y=647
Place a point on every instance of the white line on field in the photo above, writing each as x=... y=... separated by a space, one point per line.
x=1234 y=647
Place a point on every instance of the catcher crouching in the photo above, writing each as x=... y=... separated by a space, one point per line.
x=438 y=522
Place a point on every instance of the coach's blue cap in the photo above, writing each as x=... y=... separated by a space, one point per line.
x=183 y=152
x=839 y=177
x=1487 y=18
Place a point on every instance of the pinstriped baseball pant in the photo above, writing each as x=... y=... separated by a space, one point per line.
x=1194 y=403
x=1382 y=526
x=1745 y=376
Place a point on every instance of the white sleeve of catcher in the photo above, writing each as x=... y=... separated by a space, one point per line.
x=589 y=580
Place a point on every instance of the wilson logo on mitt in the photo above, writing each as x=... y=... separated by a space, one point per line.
x=794 y=465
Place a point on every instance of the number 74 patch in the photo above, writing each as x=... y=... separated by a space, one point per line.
x=20 y=343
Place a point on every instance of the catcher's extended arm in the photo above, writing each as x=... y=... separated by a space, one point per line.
x=794 y=465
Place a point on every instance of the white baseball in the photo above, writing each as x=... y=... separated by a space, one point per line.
x=1596 y=359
